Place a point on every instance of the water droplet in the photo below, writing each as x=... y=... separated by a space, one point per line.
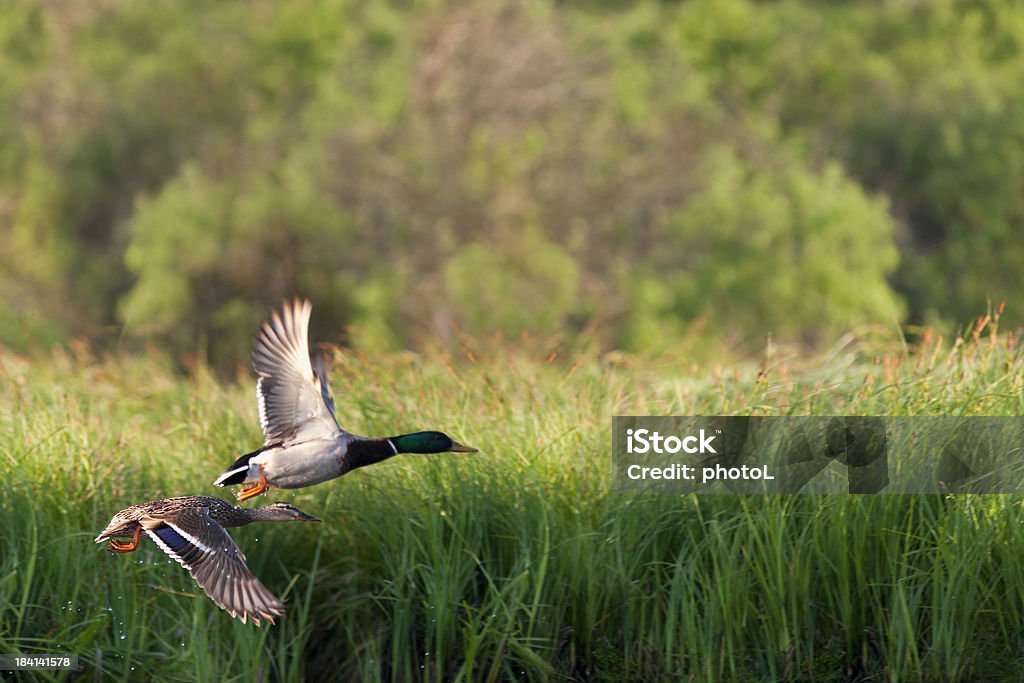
x=122 y=636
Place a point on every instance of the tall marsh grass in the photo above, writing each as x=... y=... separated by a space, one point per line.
x=517 y=563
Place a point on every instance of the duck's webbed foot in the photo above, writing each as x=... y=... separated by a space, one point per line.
x=254 y=490
x=116 y=546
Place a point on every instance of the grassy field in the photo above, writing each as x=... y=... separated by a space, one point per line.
x=518 y=562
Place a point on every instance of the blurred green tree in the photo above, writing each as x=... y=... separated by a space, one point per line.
x=777 y=248
x=170 y=169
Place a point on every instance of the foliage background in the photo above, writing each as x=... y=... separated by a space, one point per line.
x=509 y=179
x=627 y=171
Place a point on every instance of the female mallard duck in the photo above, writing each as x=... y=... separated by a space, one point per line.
x=304 y=444
x=191 y=530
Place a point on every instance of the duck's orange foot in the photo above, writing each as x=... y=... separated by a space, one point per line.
x=254 y=490
x=115 y=546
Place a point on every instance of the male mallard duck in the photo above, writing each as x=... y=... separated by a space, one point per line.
x=304 y=444
x=191 y=530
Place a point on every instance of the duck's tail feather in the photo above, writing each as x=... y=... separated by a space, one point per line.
x=237 y=472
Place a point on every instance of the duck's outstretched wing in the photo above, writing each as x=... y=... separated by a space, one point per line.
x=322 y=362
x=203 y=547
x=294 y=402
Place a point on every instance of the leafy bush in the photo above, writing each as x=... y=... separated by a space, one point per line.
x=780 y=249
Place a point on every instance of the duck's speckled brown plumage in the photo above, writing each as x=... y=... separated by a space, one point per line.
x=191 y=530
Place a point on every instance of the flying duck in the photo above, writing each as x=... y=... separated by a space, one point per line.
x=191 y=530
x=303 y=443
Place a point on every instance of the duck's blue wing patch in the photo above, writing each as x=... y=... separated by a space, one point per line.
x=172 y=538
x=175 y=544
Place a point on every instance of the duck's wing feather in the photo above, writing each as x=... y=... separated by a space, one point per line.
x=322 y=368
x=203 y=547
x=294 y=402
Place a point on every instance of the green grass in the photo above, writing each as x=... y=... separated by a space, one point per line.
x=519 y=562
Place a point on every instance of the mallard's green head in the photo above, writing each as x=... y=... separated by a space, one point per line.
x=428 y=442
